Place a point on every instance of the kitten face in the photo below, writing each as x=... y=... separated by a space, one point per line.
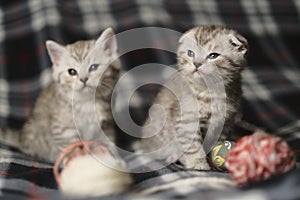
x=78 y=67
x=207 y=49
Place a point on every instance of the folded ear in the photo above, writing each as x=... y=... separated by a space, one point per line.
x=188 y=36
x=55 y=51
x=239 y=42
x=108 y=40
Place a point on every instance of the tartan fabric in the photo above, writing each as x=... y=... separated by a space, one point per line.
x=271 y=82
x=270 y=26
x=21 y=177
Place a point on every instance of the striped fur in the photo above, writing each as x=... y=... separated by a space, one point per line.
x=69 y=110
x=186 y=121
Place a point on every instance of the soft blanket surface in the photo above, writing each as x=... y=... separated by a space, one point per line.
x=271 y=82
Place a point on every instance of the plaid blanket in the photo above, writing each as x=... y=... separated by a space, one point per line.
x=271 y=81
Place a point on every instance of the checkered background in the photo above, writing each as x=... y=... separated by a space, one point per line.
x=271 y=82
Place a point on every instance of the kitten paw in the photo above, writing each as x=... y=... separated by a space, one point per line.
x=198 y=164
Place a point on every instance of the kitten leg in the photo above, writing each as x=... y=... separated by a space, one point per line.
x=60 y=140
x=190 y=145
x=194 y=161
x=194 y=157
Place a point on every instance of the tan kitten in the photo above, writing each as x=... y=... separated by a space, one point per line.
x=77 y=104
x=204 y=54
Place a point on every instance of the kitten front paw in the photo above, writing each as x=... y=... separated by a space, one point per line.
x=198 y=164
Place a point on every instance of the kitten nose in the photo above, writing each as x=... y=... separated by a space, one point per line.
x=197 y=64
x=84 y=80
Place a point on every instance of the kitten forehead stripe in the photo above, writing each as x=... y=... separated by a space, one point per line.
x=204 y=34
x=78 y=50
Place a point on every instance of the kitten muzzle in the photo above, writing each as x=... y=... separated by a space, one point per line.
x=197 y=65
x=84 y=80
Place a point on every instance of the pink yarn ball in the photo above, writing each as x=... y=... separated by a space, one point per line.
x=258 y=157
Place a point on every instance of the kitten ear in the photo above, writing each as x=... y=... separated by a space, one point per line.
x=181 y=39
x=187 y=36
x=239 y=42
x=108 y=40
x=185 y=42
x=55 y=51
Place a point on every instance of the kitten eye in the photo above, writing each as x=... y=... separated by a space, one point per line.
x=72 y=72
x=93 y=67
x=190 y=53
x=213 y=55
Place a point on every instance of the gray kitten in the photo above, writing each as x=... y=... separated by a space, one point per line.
x=207 y=55
x=77 y=103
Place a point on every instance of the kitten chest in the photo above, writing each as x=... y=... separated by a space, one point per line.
x=88 y=119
